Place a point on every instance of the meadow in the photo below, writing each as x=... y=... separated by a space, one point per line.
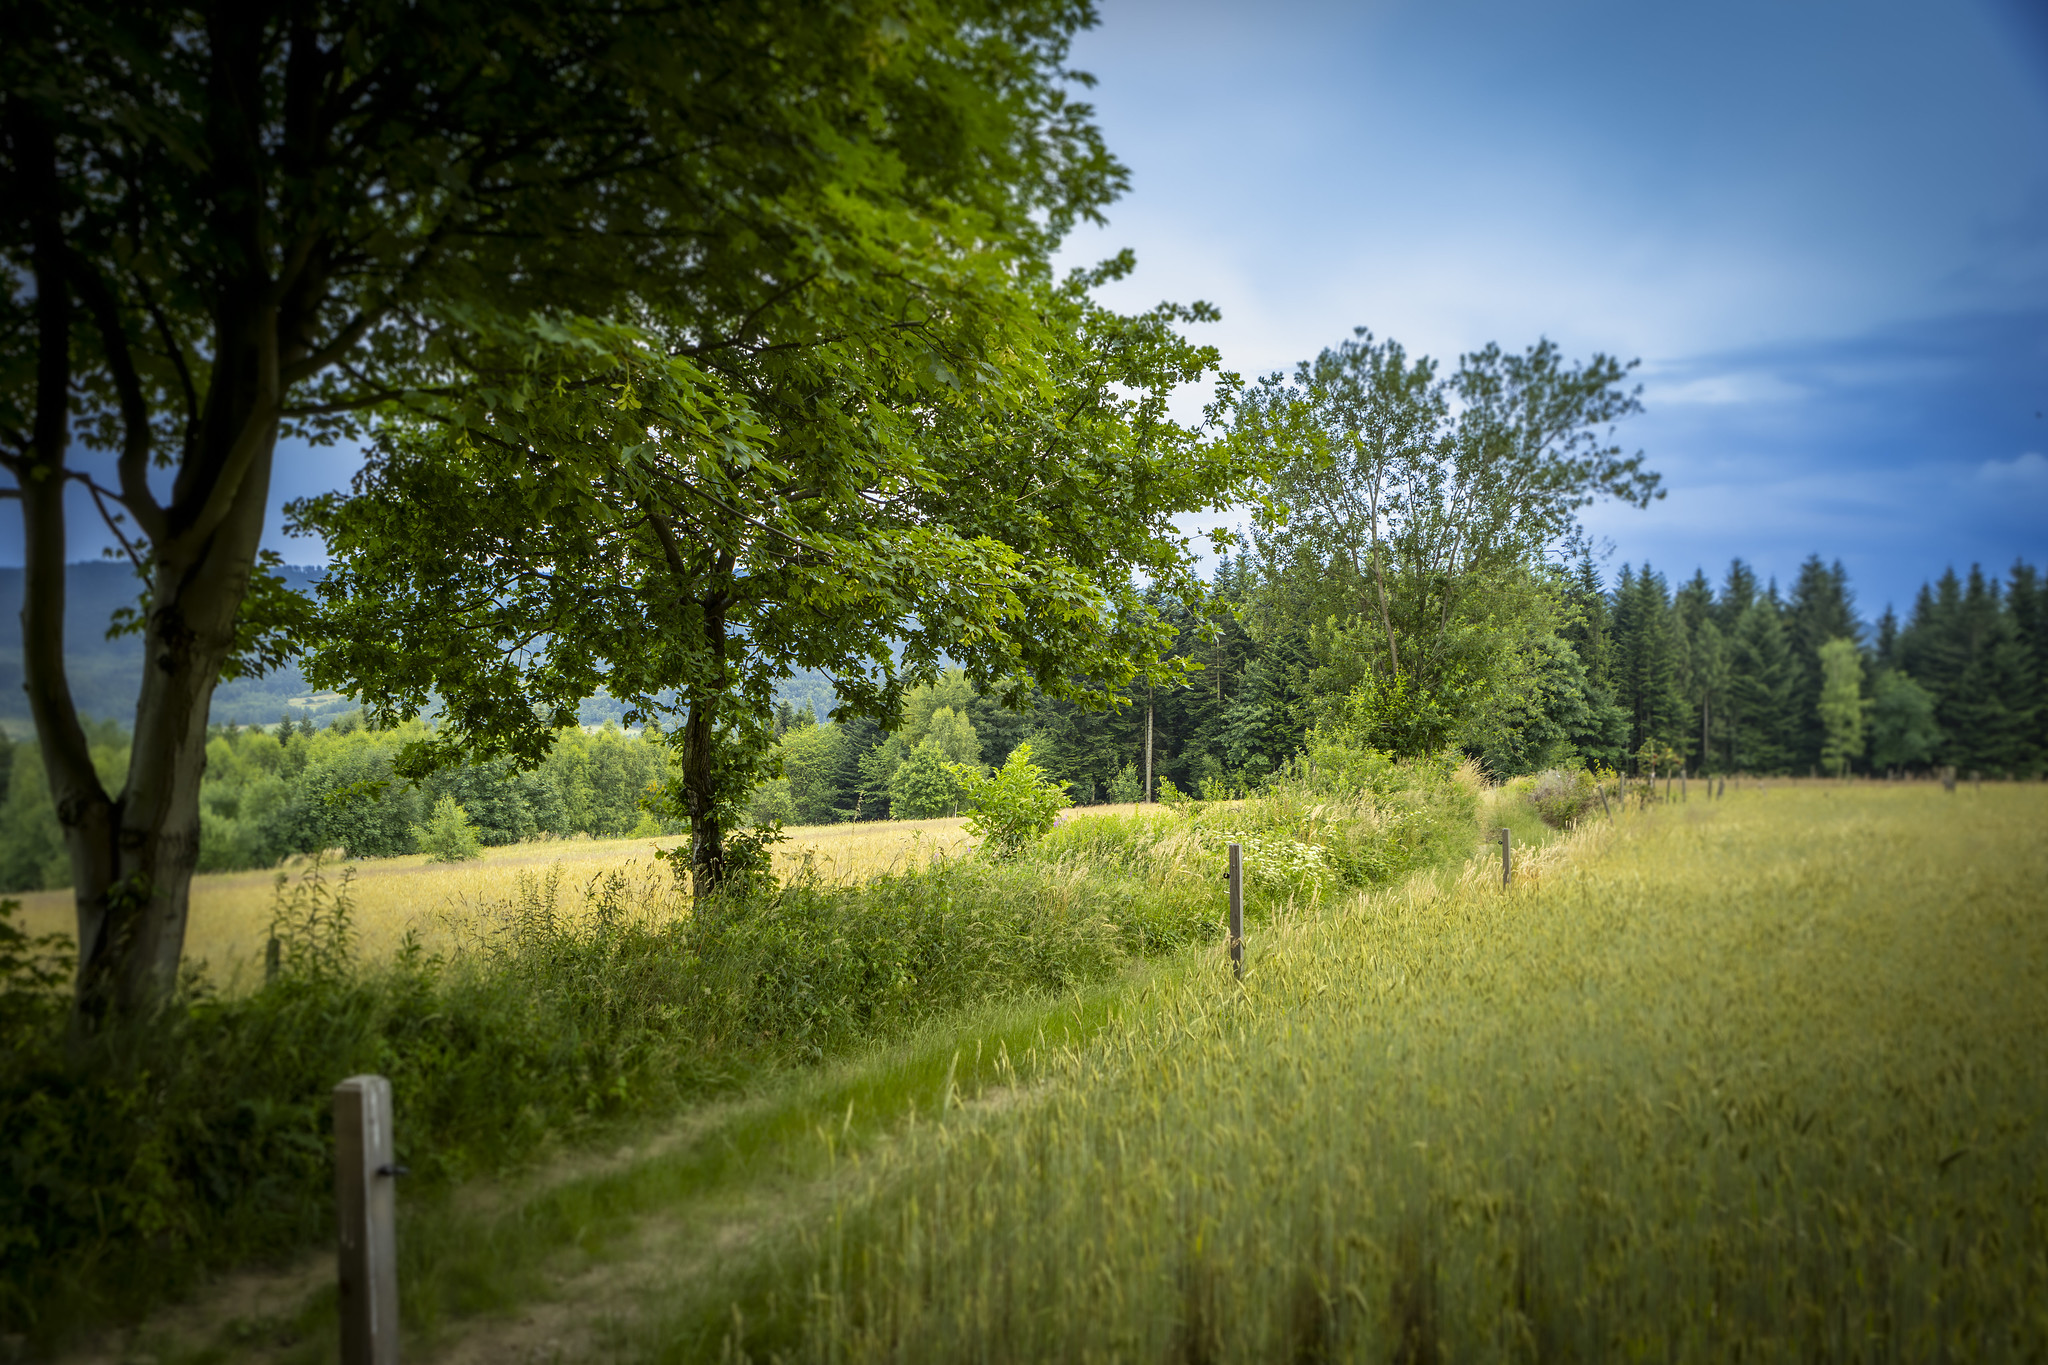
x=1755 y=1077
x=440 y=902
x=1759 y=1078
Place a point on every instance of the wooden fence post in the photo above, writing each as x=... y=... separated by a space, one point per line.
x=1237 y=912
x=1507 y=857
x=366 y=1207
x=1605 y=809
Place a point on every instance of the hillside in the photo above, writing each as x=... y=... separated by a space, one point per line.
x=104 y=672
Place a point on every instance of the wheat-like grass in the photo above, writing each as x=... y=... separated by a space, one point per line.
x=439 y=901
x=1758 y=1078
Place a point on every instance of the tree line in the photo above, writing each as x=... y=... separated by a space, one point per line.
x=1743 y=677
x=290 y=789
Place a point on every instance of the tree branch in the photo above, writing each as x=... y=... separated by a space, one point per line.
x=99 y=500
x=136 y=436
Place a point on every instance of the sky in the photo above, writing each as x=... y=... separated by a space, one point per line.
x=1822 y=229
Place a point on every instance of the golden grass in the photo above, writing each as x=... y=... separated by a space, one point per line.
x=231 y=911
x=1756 y=1078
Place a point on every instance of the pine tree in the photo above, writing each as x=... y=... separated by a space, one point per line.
x=2026 y=599
x=1965 y=647
x=1705 y=681
x=1821 y=610
x=1759 y=690
x=1647 y=661
x=1588 y=627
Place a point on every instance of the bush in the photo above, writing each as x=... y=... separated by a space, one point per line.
x=1126 y=788
x=923 y=786
x=1013 y=809
x=449 y=836
x=199 y=1139
x=1562 y=795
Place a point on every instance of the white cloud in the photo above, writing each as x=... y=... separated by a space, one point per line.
x=2029 y=470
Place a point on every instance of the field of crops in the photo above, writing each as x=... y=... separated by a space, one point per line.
x=1761 y=1079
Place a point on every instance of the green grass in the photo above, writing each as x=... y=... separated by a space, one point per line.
x=197 y=1142
x=1760 y=1079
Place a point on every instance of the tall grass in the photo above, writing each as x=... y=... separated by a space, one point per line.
x=1761 y=1079
x=199 y=1139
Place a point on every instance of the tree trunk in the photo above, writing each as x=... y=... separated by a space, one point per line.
x=132 y=855
x=132 y=871
x=1148 y=744
x=700 y=781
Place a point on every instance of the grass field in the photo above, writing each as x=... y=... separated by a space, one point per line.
x=231 y=911
x=1759 y=1078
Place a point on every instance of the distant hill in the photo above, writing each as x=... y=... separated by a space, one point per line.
x=105 y=673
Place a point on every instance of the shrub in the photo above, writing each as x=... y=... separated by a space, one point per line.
x=1562 y=795
x=923 y=785
x=1126 y=788
x=1013 y=809
x=449 y=836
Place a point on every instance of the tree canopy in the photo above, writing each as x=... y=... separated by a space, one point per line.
x=1413 y=511
x=224 y=221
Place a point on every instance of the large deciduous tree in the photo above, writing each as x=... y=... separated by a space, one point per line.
x=1418 y=510
x=985 y=476
x=220 y=222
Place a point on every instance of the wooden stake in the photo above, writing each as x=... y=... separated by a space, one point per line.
x=1237 y=912
x=1507 y=857
x=366 y=1205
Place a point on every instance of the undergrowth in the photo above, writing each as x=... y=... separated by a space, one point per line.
x=141 y=1159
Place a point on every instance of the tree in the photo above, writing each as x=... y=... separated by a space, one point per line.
x=615 y=512
x=954 y=734
x=1903 y=733
x=223 y=222
x=923 y=786
x=1760 y=692
x=1840 y=705
x=1015 y=807
x=1649 y=664
x=812 y=759
x=1821 y=610
x=449 y=836
x=1416 y=532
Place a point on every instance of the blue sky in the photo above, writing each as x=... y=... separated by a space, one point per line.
x=1822 y=228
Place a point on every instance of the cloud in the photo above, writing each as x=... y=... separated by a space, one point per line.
x=2028 y=470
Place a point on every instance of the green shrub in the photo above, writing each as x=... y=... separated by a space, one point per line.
x=923 y=786
x=1562 y=795
x=1013 y=809
x=449 y=836
x=1126 y=788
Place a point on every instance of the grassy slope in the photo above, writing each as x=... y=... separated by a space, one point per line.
x=1763 y=1070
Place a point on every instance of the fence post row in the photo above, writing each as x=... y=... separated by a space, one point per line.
x=366 y=1207
x=1237 y=912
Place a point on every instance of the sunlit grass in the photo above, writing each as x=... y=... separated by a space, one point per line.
x=437 y=901
x=1760 y=1077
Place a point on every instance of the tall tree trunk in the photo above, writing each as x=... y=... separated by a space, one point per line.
x=700 y=778
x=132 y=873
x=1148 y=744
